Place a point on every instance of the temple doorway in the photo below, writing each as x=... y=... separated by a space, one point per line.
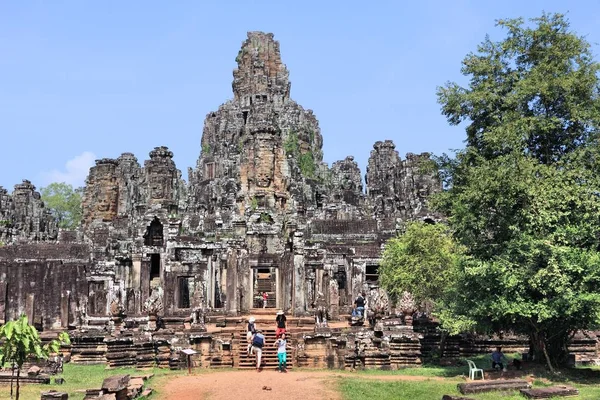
x=154 y=271
x=265 y=282
x=154 y=234
x=340 y=277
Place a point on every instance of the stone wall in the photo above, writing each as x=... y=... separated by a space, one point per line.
x=45 y=281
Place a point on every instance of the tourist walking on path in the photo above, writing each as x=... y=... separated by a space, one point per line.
x=265 y=296
x=281 y=344
x=280 y=319
x=250 y=331
x=258 y=341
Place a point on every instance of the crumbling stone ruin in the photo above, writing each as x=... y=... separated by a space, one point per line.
x=260 y=212
x=156 y=257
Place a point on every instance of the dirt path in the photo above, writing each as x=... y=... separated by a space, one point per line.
x=227 y=385
x=295 y=385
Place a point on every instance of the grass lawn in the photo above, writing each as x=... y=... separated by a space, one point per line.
x=80 y=377
x=431 y=390
x=359 y=387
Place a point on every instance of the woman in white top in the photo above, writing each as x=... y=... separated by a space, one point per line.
x=281 y=344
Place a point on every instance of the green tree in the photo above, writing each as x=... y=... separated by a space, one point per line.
x=21 y=341
x=64 y=203
x=523 y=195
x=421 y=261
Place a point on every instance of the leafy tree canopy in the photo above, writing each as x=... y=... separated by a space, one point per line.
x=421 y=261
x=64 y=203
x=523 y=195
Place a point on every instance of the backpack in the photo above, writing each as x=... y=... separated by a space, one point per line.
x=258 y=340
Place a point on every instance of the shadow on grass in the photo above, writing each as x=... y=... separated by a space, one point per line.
x=584 y=376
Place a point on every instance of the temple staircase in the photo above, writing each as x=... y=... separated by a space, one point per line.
x=265 y=321
x=269 y=353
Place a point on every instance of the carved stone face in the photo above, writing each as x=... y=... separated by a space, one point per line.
x=157 y=187
x=264 y=163
x=106 y=198
x=102 y=205
x=159 y=183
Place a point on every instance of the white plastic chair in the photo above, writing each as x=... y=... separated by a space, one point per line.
x=473 y=370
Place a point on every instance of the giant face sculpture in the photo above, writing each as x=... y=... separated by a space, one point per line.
x=264 y=162
x=158 y=186
x=104 y=191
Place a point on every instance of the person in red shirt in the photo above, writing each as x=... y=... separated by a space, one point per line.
x=280 y=319
x=265 y=296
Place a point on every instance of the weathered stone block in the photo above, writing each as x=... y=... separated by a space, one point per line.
x=54 y=395
x=115 y=383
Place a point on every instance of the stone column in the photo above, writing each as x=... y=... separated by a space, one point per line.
x=277 y=289
x=30 y=307
x=299 y=284
x=232 y=282
x=3 y=316
x=136 y=280
x=145 y=279
x=299 y=299
x=251 y=285
x=65 y=298
x=334 y=299
x=211 y=282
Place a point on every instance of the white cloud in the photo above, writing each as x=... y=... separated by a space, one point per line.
x=75 y=171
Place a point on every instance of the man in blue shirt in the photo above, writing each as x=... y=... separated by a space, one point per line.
x=258 y=341
x=497 y=358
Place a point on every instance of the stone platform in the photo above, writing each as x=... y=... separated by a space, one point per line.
x=492 y=386
x=550 y=392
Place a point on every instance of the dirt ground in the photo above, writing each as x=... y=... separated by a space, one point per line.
x=294 y=385
x=265 y=385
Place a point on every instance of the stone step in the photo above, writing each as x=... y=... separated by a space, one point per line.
x=5 y=379
x=550 y=392
x=494 y=385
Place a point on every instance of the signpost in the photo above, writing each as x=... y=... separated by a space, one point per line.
x=189 y=353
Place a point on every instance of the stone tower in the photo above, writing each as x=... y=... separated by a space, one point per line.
x=260 y=149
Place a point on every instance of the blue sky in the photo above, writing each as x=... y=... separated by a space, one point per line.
x=81 y=80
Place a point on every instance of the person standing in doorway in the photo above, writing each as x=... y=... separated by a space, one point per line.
x=280 y=319
x=281 y=344
x=258 y=341
x=265 y=297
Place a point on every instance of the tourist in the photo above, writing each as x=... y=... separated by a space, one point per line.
x=258 y=341
x=265 y=297
x=250 y=331
x=358 y=355
x=281 y=344
x=359 y=305
x=280 y=319
x=497 y=358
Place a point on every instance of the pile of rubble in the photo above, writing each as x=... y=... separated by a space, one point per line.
x=120 y=387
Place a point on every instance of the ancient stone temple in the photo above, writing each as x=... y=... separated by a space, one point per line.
x=260 y=212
